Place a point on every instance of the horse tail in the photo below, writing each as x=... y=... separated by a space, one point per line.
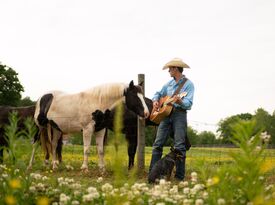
x=45 y=143
x=45 y=103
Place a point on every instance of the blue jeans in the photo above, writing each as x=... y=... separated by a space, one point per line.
x=176 y=123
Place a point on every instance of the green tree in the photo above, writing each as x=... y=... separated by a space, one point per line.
x=26 y=101
x=207 y=137
x=263 y=119
x=192 y=135
x=266 y=122
x=225 y=125
x=10 y=87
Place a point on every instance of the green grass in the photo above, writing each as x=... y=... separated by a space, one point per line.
x=209 y=159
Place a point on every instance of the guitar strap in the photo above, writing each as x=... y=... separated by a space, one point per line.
x=187 y=141
x=180 y=87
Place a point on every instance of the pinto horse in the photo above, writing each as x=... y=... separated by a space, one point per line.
x=106 y=120
x=70 y=113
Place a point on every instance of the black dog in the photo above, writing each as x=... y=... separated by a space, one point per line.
x=164 y=167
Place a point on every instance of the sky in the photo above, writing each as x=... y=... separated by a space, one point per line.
x=73 y=45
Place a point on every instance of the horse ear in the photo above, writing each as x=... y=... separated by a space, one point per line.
x=131 y=85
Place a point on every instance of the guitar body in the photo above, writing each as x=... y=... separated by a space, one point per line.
x=157 y=115
x=164 y=110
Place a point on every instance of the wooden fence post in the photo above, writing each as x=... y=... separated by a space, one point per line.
x=141 y=131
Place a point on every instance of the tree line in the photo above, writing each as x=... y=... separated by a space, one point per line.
x=10 y=95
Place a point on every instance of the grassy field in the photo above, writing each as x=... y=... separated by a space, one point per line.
x=213 y=176
x=203 y=160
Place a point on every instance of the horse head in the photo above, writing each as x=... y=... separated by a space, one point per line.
x=135 y=100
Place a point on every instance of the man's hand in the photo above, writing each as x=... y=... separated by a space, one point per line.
x=156 y=104
x=177 y=100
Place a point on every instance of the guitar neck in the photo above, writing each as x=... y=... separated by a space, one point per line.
x=172 y=98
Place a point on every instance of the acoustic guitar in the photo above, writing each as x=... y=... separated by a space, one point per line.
x=164 y=109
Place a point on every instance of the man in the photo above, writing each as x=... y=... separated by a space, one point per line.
x=176 y=122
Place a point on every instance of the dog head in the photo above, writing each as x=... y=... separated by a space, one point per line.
x=175 y=154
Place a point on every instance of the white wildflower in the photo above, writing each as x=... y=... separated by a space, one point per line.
x=60 y=179
x=3 y=166
x=77 y=193
x=68 y=180
x=90 y=196
x=183 y=184
x=16 y=171
x=40 y=187
x=265 y=137
x=258 y=148
x=75 y=202
x=44 y=178
x=99 y=180
x=5 y=175
x=205 y=195
x=162 y=182
x=186 y=201
x=35 y=176
x=194 y=176
x=56 y=191
x=186 y=190
x=140 y=201
x=199 y=187
x=269 y=187
x=199 y=202
x=63 y=198
x=107 y=187
x=221 y=201
x=91 y=189
x=32 y=189
x=261 y=178
x=174 y=190
x=75 y=186
x=69 y=167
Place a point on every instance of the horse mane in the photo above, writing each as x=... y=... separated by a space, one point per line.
x=105 y=91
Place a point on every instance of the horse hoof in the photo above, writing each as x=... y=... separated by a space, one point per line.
x=86 y=171
x=46 y=162
x=102 y=170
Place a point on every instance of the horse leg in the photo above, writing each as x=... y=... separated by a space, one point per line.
x=1 y=155
x=34 y=148
x=132 y=147
x=55 y=138
x=87 y=137
x=100 y=148
x=37 y=140
x=59 y=148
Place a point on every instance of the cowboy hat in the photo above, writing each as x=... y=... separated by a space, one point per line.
x=175 y=62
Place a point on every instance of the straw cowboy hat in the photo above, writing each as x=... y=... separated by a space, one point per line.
x=175 y=62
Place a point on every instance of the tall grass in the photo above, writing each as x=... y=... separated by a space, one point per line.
x=240 y=180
